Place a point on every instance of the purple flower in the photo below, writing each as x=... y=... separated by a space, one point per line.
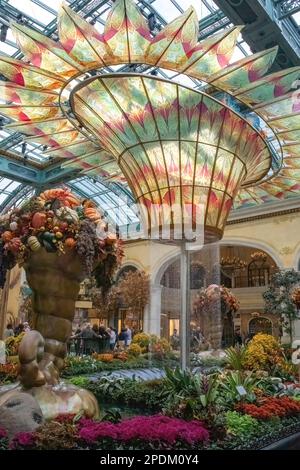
x=93 y=432
x=157 y=428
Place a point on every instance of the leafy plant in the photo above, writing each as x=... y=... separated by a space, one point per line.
x=230 y=383
x=235 y=357
x=242 y=425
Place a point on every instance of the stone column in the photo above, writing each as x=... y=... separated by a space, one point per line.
x=153 y=311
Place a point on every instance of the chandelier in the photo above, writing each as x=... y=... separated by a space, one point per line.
x=175 y=146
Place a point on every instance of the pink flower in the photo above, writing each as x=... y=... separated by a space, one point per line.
x=145 y=428
x=3 y=433
x=23 y=439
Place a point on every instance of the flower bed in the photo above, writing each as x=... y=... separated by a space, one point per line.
x=141 y=432
x=271 y=407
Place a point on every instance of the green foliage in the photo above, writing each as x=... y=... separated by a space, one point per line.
x=79 y=381
x=242 y=425
x=76 y=365
x=184 y=385
x=233 y=379
x=235 y=357
x=148 y=395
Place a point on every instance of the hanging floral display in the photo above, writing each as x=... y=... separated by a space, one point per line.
x=215 y=294
x=214 y=304
x=58 y=221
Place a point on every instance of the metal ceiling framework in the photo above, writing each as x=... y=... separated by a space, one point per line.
x=26 y=167
x=287 y=7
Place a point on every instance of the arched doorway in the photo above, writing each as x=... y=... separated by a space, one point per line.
x=260 y=325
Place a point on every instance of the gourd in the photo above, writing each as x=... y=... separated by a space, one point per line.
x=70 y=242
x=6 y=236
x=67 y=214
x=33 y=243
x=38 y=219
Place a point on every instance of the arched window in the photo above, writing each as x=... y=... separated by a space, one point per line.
x=260 y=325
x=259 y=270
x=171 y=277
x=126 y=269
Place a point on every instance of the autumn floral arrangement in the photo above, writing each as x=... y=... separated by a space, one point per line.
x=58 y=222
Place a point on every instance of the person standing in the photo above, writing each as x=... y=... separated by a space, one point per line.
x=112 y=338
x=128 y=337
x=8 y=331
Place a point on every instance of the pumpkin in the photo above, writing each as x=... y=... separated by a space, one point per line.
x=64 y=195
x=38 y=219
x=33 y=243
x=70 y=242
x=68 y=215
x=48 y=236
x=111 y=238
x=13 y=226
x=14 y=245
x=6 y=236
x=92 y=213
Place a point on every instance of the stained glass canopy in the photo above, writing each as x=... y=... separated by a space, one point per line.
x=215 y=129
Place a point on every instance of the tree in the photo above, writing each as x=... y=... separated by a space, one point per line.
x=134 y=290
x=279 y=299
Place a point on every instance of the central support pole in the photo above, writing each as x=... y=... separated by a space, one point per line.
x=185 y=308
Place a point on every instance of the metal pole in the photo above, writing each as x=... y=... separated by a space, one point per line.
x=185 y=309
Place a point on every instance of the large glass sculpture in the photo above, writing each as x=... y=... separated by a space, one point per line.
x=235 y=138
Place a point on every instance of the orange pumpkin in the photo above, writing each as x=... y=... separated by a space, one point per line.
x=70 y=242
x=38 y=219
x=14 y=245
x=7 y=236
x=92 y=213
x=111 y=238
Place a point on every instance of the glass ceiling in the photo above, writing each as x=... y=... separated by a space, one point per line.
x=41 y=15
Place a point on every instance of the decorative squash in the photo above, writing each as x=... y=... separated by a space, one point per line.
x=38 y=219
x=14 y=244
x=111 y=238
x=92 y=214
x=7 y=236
x=68 y=215
x=70 y=242
x=64 y=195
x=13 y=226
x=33 y=243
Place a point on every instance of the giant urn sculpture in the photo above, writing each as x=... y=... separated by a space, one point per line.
x=59 y=241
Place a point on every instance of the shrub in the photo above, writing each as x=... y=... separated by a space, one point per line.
x=263 y=353
x=12 y=344
x=238 y=424
x=134 y=350
x=271 y=407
